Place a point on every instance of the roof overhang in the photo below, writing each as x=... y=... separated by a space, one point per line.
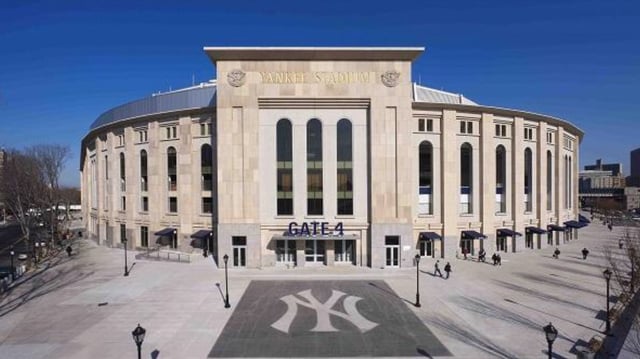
x=314 y=53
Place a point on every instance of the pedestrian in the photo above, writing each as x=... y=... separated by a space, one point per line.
x=69 y=250
x=437 y=269
x=447 y=268
x=610 y=227
x=556 y=253
x=585 y=253
x=620 y=244
x=482 y=255
x=499 y=259
x=464 y=253
x=494 y=258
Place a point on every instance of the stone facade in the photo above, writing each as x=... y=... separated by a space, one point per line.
x=372 y=89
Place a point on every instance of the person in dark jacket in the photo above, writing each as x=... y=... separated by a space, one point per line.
x=447 y=269
x=556 y=253
x=437 y=269
x=69 y=250
x=585 y=253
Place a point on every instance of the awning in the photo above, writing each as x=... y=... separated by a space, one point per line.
x=165 y=232
x=429 y=236
x=472 y=235
x=535 y=230
x=199 y=243
x=202 y=234
x=505 y=232
x=583 y=219
x=574 y=224
x=555 y=227
x=163 y=241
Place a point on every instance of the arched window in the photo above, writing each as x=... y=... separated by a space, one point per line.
x=206 y=167
x=284 y=159
x=314 y=167
x=466 y=178
x=549 y=180
x=123 y=183
x=345 y=167
x=143 y=171
x=528 y=178
x=172 y=169
x=501 y=179
x=425 y=178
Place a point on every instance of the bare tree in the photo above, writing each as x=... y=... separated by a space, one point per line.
x=24 y=189
x=69 y=196
x=51 y=159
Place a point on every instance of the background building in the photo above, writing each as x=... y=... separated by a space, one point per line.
x=634 y=176
x=331 y=156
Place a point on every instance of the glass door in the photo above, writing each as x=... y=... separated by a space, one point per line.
x=239 y=246
x=286 y=251
x=344 y=250
x=426 y=248
x=502 y=244
x=314 y=251
x=392 y=251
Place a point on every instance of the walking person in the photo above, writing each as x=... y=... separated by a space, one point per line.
x=620 y=244
x=556 y=253
x=437 y=269
x=610 y=227
x=585 y=253
x=447 y=269
x=464 y=253
x=482 y=255
x=499 y=259
x=494 y=258
x=69 y=250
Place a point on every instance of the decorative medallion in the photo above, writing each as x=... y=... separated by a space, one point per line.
x=236 y=78
x=390 y=78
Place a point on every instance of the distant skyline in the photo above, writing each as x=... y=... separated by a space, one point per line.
x=65 y=63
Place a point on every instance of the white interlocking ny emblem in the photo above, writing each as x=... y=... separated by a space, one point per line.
x=323 y=312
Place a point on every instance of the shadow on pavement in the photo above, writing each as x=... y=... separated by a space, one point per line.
x=541 y=295
x=390 y=293
x=556 y=283
x=553 y=355
x=493 y=311
x=155 y=354
x=551 y=315
x=573 y=270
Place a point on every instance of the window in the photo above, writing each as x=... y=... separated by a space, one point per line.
x=205 y=129
x=549 y=180
x=121 y=139
x=123 y=203
x=501 y=179
x=421 y=125
x=463 y=127
x=501 y=130
x=284 y=159
x=314 y=167
x=466 y=127
x=550 y=137
x=206 y=167
x=528 y=133
x=429 y=125
x=469 y=127
x=144 y=236
x=528 y=185
x=123 y=182
x=145 y=204
x=123 y=233
x=171 y=132
x=425 y=122
x=466 y=178
x=173 y=204
x=239 y=248
x=425 y=178
x=570 y=180
x=142 y=136
x=106 y=182
x=345 y=167
x=207 y=205
x=172 y=164
x=143 y=171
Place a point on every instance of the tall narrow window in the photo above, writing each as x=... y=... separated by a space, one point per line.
x=123 y=183
x=206 y=167
x=172 y=164
x=345 y=167
x=566 y=186
x=284 y=159
x=501 y=179
x=528 y=185
x=466 y=178
x=144 y=186
x=425 y=178
x=570 y=184
x=549 y=180
x=106 y=183
x=314 y=167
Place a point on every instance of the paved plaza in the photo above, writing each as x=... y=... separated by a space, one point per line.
x=83 y=307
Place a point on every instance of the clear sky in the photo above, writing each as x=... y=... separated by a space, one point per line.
x=63 y=63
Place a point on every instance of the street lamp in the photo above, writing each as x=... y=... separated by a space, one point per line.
x=126 y=267
x=138 y=338
x=35 y=255
x=607 y=276
x=551 y=333
x=13 y=270
x=226 y=281
x=632 y=255
x=417 y=257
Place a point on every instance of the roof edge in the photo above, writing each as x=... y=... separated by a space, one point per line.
x=314 y=53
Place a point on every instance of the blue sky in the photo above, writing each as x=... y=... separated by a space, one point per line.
x=63 y=63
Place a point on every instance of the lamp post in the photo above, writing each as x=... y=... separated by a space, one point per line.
x=35 y=251
x=126 y=267
x=551 y=333
x=632 y=255
x=417 y=257
x=607 y=276
x=226 y=282
x=13 y=270
x=138 y=338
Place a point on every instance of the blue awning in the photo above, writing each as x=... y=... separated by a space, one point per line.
x=535 y=230
x=202 y=234
x=583 y=219
x=505 y=232
x=166 y=232
x=574 y=224
x=555 y=227
x=472 y=235
x=429 y=236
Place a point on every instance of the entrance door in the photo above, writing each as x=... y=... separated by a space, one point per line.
x=286 y=251
x=529 y=240
x=314 y=251
x=239 y=246
x=426 y=248
x=344 y=249
x=392 y=251
x=466 y=245
x=502 y=244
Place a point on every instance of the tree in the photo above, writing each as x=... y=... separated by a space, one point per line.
x=24 y=189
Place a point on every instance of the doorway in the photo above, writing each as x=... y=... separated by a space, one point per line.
x=392 y=251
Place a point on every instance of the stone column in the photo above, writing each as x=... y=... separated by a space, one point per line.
x=517 y=157
x=487 y=175
x=450 y=173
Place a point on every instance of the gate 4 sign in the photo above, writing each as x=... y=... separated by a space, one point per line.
x=314 y=228
x=323 y=311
